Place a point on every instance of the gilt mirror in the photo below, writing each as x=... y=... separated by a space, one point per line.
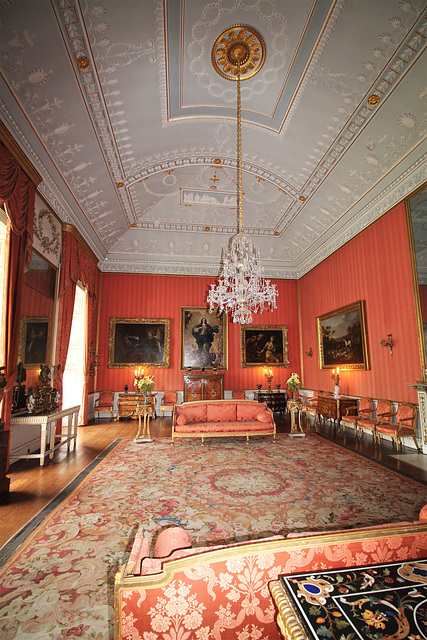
x=417 y=227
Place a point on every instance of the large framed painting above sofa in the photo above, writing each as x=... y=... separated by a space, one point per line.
x=342 y=339
x=264 y=344
x=203 y=339
x=139 y=341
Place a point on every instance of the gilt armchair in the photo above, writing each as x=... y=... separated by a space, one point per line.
x=364 y=410
x=169 y=400
x=383 y=415
x=309 y=405
x=105 y=402
x=405 y=425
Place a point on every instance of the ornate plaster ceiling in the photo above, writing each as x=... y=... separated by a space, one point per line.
x=120 y=109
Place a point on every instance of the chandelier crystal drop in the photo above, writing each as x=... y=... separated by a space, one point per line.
x=241 y=289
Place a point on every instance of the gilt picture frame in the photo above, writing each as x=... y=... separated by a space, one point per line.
x=139 y=342
x=342 y=338
x=33 y=341
x=264 y=345
x=203 y=339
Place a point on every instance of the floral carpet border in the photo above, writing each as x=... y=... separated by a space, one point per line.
x=12 y=545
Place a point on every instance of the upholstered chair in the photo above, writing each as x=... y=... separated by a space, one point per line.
x=405 y=425
x=358 y=412
x=238 y=394
x=383 y=415
x=169 y=400
x=105 y=402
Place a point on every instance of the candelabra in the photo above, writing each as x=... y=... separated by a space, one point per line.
x=269 y=376
x=138 y=375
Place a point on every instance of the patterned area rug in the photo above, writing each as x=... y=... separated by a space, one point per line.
x=59 y=583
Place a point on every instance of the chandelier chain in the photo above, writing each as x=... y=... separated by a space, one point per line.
x=241 y=289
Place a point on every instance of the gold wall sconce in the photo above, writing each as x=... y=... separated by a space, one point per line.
x=388 y=342
x=309 y=353
x=93 y=360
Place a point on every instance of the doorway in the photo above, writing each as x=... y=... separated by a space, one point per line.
x=73 y=378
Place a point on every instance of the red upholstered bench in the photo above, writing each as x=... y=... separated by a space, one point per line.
x=213 y=418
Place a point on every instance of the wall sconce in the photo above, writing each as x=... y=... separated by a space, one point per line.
x=388 y=342
x=309 y=353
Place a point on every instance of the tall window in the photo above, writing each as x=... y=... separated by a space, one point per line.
x=73 y=373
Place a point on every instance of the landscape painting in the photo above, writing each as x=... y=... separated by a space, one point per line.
x=342 y=340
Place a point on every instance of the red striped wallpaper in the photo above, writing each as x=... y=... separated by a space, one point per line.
x=152 y=296
x=375 y=267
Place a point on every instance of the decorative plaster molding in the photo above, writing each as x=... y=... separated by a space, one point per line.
x=396 y=192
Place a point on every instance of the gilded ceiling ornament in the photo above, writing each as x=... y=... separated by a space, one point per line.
x=82 y=63
x=373 y=100
x=50 y=245
x=238 y=47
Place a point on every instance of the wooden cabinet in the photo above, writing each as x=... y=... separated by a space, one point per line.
x=127 y=403
x=334 y=408
x=203 y=386
x=275 y=400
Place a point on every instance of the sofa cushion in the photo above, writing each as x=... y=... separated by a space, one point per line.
x=193 y=413
x=263 y=416
x=247 y=410
x=218 y=411
x=182 y=419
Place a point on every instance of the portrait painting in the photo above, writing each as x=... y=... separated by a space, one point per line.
x=342 y=340
x=262 y=345
x=33 y=341
x=203 y=339
x=139 y=341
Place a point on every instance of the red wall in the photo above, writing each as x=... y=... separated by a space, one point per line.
x=152 y=296
x=374 y=267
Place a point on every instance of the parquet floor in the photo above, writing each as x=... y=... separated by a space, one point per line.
x=33 y=487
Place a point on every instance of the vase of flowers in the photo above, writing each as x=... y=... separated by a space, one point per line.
x=144 y=385
x=293 y=383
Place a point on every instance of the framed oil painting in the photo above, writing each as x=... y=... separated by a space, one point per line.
x=203 y=339
x=342 y=340
x=33 y=341
x=139 y=341
x=263 y=345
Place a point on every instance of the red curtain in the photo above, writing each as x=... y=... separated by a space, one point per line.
x=76 y=265
x=17 y=192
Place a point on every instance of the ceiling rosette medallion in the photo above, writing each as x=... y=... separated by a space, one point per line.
x=238 y=46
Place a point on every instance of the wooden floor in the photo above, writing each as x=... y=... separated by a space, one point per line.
x=32 y=487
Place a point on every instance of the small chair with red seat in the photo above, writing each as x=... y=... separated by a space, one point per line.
x=238 y=394
x=169 y=400
x=364 y=410
x=405 y=425
x=105 y=402
x=383 y=415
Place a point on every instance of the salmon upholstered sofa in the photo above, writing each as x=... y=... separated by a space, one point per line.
x=223 y=592
x=212 y=418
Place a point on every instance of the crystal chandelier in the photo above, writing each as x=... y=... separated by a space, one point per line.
x=241 y=289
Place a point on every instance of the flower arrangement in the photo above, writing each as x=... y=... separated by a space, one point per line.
x=293 y=382
x=145 y=384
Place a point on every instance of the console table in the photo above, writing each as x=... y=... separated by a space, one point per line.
x=331 y=408
x=275 y=400
x=127 y=404
x=47 y=424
